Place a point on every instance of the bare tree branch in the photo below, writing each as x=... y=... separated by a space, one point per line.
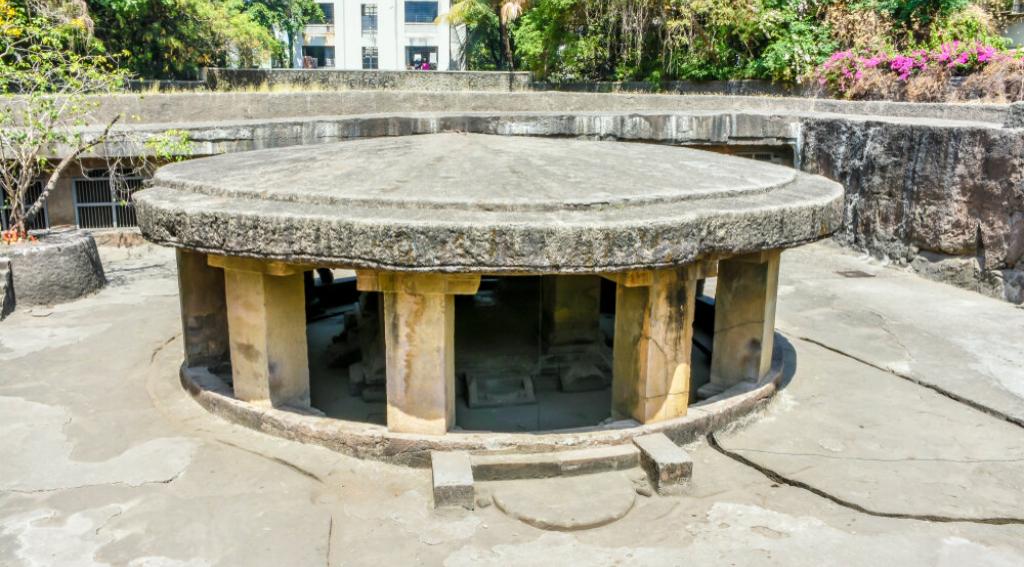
x=64 y=163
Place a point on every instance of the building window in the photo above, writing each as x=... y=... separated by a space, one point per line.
x=369 y=13
x=328 y=10
x=369 y=58
x=420 y=12
x=422 y=57
x=39 y=222
x=104 y=202
x=322 y=54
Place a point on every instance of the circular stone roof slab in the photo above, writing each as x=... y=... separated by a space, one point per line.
x=480 y=203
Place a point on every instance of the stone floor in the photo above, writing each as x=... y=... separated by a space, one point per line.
x=898 y=441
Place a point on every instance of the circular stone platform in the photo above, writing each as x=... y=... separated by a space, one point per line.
x=421 y=219
x=62 y=266
x=485 y=204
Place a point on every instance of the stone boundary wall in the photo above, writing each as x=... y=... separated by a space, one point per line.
x=205 y=107
x=342 y=79
x=748 y=87
x=938 y=187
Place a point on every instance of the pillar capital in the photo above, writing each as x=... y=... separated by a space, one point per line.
x=256 y=265
x=417 y=283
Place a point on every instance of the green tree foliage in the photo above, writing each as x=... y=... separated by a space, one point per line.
x=481 y=45
x=175 y=38
x=781 y=40
x=49 y=64
x=50 y=68
x=489 y=23
x=288 y=16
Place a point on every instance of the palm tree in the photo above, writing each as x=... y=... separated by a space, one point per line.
x=506 y=10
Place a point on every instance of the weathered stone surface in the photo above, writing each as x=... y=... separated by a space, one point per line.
x=913 y=189
x=567 y=504
x=6 y=288
x=653 y=342
x=508 y=466
x=731 y=120
x=571 y=310
x=267 y=332
x=745 y=299
x=419 y=331
x=345 y=79
x=813 y=127
x=1015 y=116
x=204 y=319
x=452 y=475
x=544 y=205
x=668 y=466
x=184 y=108
x=62 y=266
x=376 y=442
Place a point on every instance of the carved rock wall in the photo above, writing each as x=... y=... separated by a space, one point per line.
x=948 y=200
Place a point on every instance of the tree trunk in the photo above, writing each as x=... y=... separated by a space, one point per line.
x=20 y=220
x=506 y=42
x=501 y=38
x=291 y=49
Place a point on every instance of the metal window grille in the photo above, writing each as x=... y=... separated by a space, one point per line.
x=41 y=220
x=99 y=205
x=420 y=12
x=770 y=157
x=370 y=58
x=369 y=19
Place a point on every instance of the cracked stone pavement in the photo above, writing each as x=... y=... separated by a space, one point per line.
x=105 y=461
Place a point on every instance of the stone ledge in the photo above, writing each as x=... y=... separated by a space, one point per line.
x=375 y=442
x=263 y=204
x=452 y=478
x=573 y=462
x=210 y=107
x=667 y=465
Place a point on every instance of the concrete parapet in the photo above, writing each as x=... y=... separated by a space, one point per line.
x=357 y=79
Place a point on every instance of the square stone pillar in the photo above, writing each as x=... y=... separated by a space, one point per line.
x=204 y=319
x=571 y=310
x=419 y=337
x=744 y=320
x=653 y=340
x=266 y=307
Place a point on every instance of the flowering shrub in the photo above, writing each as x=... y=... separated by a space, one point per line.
x=15 y=236
x=858 y=75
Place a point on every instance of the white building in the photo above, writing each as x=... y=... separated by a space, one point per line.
x=382 y=34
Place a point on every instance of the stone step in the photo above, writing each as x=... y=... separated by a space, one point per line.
x=510 y=466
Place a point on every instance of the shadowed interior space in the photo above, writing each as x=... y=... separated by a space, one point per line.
x=508 y=377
